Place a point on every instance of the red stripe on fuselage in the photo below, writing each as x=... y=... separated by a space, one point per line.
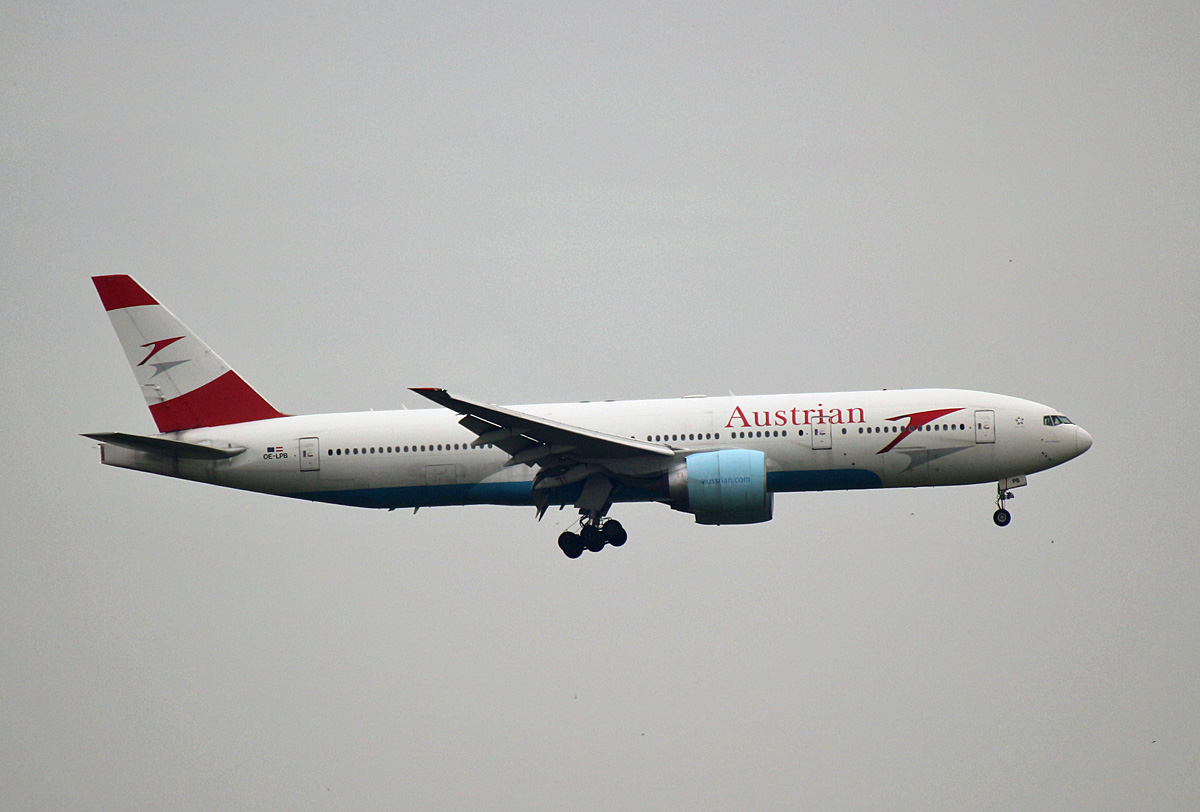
x=220 y=402
x=119 y=290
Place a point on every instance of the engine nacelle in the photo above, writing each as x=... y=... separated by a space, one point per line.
x=722 y=487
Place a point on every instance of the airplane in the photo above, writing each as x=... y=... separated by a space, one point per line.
x=721 y=459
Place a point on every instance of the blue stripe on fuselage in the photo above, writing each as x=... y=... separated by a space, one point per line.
x=484 y=493
x=520 y=493
x=844 y=479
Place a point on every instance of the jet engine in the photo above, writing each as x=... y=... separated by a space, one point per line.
x=722 y=487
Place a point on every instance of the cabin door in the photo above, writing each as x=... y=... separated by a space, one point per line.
x=985 y=426
x=310 y=454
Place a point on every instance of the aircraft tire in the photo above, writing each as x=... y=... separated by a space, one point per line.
x=570 y=544
x=614 y=533
x=591 y=537
x=1002 y=517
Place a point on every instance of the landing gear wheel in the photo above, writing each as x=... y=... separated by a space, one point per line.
x=570 y=544
x=613 y=533
x=1002 y=517
x=591 y=537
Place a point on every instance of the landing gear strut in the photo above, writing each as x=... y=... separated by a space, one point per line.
x=593 y=535
x=1002 y=517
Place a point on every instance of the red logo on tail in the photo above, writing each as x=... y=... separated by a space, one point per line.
x=158 y=346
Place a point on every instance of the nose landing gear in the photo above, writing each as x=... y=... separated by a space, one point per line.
x=1003 y=493
x=593 y=535
x=1002 y=517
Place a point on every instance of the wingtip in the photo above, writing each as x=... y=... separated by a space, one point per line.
x=435 y=393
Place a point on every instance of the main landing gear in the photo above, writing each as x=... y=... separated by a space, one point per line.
x=1002 y=517
x=592 y=535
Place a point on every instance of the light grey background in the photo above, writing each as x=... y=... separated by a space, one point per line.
x=537 y=202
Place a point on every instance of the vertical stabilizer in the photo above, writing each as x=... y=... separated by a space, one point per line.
x=186 y=384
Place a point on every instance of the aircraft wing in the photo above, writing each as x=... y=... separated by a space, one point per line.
x=532 y=440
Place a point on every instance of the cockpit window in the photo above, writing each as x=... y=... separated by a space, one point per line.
x=1057 y=420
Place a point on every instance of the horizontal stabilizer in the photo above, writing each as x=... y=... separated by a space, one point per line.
x=169 y=448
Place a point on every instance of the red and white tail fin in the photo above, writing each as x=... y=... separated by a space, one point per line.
x=186 y=384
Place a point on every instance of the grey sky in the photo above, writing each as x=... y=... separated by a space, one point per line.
x=539 y=203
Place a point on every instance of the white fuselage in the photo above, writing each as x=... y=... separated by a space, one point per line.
x=823 y=441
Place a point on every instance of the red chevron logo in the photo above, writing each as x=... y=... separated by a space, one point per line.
x=159 y=346
x=915 y=421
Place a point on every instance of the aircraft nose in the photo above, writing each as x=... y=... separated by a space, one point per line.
x=1083 y=440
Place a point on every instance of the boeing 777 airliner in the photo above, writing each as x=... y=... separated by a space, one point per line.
x=721 y=459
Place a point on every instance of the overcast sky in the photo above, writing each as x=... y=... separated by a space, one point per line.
x=543 y=202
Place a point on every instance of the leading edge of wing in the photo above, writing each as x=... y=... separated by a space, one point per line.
x=586 y=443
